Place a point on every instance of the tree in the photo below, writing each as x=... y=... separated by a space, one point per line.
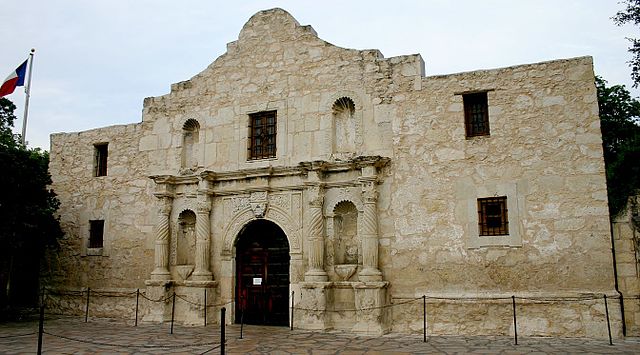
x=631 y=14
x=27 y=206
x=619 y=119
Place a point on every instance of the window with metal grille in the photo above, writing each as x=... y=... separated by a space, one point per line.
x=101 y=154
x=262 y=135
x=96 y=233
x=492 y=216
x=476 y=114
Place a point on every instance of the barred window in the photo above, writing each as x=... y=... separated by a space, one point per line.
x=96 y=233
x=262 y=135
x=492 y=216
x=476 y=114
x=101 y=154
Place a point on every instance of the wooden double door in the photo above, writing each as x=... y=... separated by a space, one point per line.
x=262 y=275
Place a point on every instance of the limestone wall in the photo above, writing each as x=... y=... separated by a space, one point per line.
x=122 y=199
x=627 y=253
x=543 y=153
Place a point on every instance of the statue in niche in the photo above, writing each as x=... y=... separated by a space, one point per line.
x=346 y=244
x=186 y=247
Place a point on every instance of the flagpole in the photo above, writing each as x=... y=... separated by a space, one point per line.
x=27 y=90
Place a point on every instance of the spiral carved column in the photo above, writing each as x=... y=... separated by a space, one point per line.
x=370 y=271
x=202 y=270
x=316 y=236
x=161 y=270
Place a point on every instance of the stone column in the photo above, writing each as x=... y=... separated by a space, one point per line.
x=161 y=270
x=202 y=270
x=369 y=229
x=315 y=229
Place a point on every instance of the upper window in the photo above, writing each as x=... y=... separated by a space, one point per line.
x=101 y=154
x=492 y=216
x=96 y=233
x=476 y=114
x=262 y=135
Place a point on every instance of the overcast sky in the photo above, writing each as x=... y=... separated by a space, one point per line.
x=97 y=60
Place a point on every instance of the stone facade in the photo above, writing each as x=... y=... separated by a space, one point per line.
x=374 y=181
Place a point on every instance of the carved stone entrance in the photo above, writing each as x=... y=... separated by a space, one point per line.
x=262 y=274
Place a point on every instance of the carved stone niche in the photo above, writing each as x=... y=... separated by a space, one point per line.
x=344 y=247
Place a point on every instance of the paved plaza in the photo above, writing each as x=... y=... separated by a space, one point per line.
x=74 y=336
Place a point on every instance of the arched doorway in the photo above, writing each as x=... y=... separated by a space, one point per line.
x=262 y=274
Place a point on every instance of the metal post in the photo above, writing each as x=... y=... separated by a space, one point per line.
x=292 y=299
x=173 y=310
x=27 y=91
x=205 y=307
x=40 y=328
x=515 y=322
x=241 y=316
x=606 y=309
x=424 y=318
x=42 y=295
x=86 y=312
x=222 y=325
x=137 y=299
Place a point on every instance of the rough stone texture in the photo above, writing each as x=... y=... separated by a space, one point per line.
x=626 y=239
x=407 y=160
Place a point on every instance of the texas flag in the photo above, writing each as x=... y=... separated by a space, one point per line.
x=14 y=79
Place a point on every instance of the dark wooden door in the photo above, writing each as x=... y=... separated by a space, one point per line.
x=262 y=288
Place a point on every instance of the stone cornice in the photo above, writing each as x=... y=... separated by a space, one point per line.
x=302 y=170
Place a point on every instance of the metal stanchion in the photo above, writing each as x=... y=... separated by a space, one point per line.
x=424 y=318
x=137 y=298
x=41 y=327
x=205 y=307
x=606 y=309
x=173 y=310
x=241 y=316
x=86 y=313
x=515 y=323
x=222 y=326
x=292 y=299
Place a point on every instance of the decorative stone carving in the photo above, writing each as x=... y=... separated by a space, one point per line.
x=290 y=226
x=315 y=230
x=369 y=238
x=161 y=260
x=258 y=202
x=313 y=305
x=203 y=239
x=281 y=200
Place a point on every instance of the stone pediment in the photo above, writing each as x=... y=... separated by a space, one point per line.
x=271 y=41
x=271 y=25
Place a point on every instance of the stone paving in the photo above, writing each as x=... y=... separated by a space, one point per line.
x=102 y=336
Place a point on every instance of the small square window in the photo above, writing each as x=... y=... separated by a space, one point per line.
x=476 y=114
x=492 y=216
x=96 y=234
x=101 y=154
x=262 y=135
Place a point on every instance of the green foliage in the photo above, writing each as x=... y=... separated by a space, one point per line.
x=27 y=207
x=631 y=14
x=619 y=117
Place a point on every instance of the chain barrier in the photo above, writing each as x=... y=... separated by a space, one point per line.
x=463 y=299
x=528 y=300
x=161 y=299
x=210 y=350
x=183 y=297
x=135 y=346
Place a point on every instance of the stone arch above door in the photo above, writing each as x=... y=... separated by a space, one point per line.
x=275 y=214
